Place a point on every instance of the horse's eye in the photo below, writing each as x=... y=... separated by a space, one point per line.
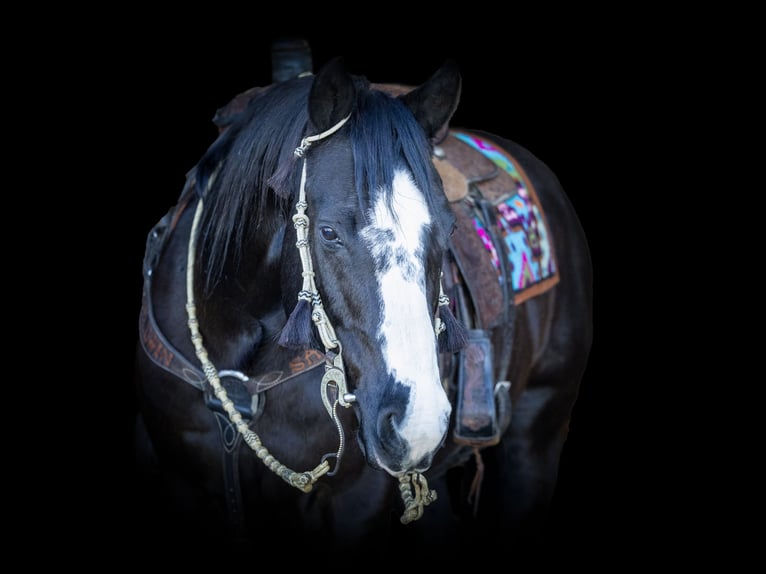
x=328 y=233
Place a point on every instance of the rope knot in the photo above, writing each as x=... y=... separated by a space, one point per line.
x=413 y=487
x=300 y=151
x=300 y=220
x=305 y=296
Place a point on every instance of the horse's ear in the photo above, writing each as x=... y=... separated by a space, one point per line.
x=434 y=102
x=332 y=95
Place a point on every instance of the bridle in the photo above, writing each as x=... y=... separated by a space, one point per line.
x=412 y=485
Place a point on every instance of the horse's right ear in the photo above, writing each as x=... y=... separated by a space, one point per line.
x=332 y=95
x=434 y=102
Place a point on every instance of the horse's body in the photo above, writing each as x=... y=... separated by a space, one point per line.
x=376 y=258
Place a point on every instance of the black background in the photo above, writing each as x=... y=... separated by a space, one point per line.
x=560 y=95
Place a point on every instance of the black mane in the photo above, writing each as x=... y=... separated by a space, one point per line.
x=233 y=175
x=249 y=176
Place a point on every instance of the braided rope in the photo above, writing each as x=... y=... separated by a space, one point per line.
x=303 y=481
x=413 y=487
x=309 y=290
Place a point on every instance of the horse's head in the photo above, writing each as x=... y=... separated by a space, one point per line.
x=373 y=224
x=379 y=228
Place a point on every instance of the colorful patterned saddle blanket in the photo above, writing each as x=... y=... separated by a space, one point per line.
x=516 y=228
x=522 y=227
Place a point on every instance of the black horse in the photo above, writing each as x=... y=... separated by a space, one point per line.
x=360 y=328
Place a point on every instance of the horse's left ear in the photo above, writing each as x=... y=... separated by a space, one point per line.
x=434 y=102
x=332 y=95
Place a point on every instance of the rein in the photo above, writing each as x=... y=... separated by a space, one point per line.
x=413 y=486
x=301 y=480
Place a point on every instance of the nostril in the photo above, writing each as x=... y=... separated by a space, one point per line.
x=388 y=431
x=387 y=424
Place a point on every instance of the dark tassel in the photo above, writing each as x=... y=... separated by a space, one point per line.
x=297 y=332
x=454 y=336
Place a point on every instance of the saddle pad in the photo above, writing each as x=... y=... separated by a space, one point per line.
x=522 y=226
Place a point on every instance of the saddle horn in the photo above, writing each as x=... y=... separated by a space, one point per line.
x=290 y=58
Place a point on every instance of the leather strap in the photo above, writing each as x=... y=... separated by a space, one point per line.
x=231 y=439
x=476 y=268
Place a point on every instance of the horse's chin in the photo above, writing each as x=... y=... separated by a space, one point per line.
x=401 y=472
x=394 y=469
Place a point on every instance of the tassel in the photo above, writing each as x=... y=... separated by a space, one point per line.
x=452 y=334
x=297 y=332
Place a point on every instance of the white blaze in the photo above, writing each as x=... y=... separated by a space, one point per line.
x=407 y=331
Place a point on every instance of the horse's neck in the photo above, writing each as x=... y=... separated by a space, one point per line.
x=243 y=313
